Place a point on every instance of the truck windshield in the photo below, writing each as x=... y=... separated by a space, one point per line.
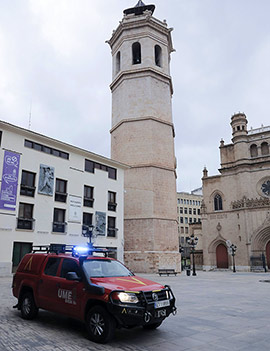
x=105 y=268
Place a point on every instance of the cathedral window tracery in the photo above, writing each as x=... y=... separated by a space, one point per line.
x=218 y=203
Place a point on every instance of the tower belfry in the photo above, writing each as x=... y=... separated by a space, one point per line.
x=142 y=136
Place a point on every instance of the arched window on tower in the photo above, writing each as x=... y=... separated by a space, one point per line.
x=158 y=56
x=265 y=148
x=218 y=203
x=118 y=62
x=136 y=53
x=253 y=150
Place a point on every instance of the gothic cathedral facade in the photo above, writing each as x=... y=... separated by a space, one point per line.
x=236 y=206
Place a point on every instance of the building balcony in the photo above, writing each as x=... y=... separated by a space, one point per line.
x=25 y=223
x=27 y=190
x=59 y=227
x=111 y=232
x=112 y=206
x=60 y=197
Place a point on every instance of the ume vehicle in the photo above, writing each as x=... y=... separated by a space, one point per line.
x=85 y=285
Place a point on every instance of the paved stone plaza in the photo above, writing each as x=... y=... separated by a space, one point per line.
x=216 y=311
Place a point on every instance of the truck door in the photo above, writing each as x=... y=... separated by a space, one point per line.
x=70 y=293
x=48 y=283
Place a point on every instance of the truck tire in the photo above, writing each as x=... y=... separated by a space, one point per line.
x=29 y=309
x=100 y=325
x=152 y=326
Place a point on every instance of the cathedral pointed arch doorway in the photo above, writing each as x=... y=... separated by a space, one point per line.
x=222 y=257
x=267 y=251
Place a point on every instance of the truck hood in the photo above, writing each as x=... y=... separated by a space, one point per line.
x=130 y=283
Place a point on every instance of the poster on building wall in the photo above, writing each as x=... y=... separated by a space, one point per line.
x=46 y=180
x=9 y=184
x=75 y=209
x=100 y=223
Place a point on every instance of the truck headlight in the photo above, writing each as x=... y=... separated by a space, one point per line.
x=168 y=295
x=127 y=297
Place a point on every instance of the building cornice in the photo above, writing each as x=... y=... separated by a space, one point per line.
x=140 y=73
x=146 y=118
x=60 y=144
x=131 y=22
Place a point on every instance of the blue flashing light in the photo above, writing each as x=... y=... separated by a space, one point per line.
x=81 y=250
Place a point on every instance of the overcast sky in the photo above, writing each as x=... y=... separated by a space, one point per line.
x=54 y=61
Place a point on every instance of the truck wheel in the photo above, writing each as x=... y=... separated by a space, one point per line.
x=152 y=326
x=100 y=325
x=29 y=309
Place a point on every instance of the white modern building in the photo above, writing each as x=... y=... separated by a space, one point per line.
x=52 y=192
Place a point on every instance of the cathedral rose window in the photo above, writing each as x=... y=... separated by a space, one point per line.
x=266 y=187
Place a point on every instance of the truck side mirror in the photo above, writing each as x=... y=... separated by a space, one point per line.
x=73 y=276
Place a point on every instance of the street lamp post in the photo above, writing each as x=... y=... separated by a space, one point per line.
x=233 y=250
x=192 y=242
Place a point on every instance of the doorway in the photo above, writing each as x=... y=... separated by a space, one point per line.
x=222 y=257
x=19 y=250
x=267 y=251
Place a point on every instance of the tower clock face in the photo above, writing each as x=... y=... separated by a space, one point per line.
x=266 y=187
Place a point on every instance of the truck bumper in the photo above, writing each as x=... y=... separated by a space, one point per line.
x=140 y=314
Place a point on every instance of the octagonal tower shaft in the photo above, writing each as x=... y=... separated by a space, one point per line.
x=142 y=136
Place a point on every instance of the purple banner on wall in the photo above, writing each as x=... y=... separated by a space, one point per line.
x=9 y=184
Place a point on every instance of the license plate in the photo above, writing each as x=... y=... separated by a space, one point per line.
x=160 y=304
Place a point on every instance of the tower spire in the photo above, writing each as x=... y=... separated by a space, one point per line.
x=139 y=9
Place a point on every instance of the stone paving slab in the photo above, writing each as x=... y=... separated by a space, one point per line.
x=217 y=311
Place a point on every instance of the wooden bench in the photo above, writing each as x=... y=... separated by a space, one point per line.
x=166 y=271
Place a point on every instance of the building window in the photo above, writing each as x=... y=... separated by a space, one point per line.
x=182 y=201
x=112 y=173
x=87 y=222
x=59 y=224
x=194 y=211
x=218 y=203
x=181 y=209
x=136 y=53
x=186 y=230
x=194 y=220
x=25 y=218
x=181 y=220
x=111 y=227
x=265 y=148
x=118 y=62
x=46 y=149
x=253 y=150
x=60 y=190
x=90 y=166
x=87 y=218
x=112 y=201
x=190 y=220
x=185 y=210
x=198 y=211
x=182 y=230
x=88 y=197
x=186 y=220
x=158 y=56
x=190 y=211
x=28 y=184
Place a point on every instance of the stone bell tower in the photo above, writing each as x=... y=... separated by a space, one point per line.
x=142 y=136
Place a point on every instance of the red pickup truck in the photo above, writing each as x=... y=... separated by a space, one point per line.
x=98 y=290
